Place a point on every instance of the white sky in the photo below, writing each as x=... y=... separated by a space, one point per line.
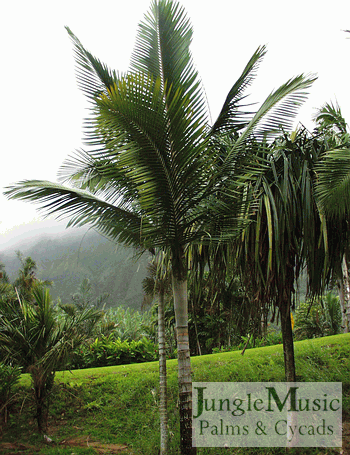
x=43 y=109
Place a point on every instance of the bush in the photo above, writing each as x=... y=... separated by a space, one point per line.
x=273 y=337
x=318 y=319
x=106 y=351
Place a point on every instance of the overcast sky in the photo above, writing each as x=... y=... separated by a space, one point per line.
x=43 y=109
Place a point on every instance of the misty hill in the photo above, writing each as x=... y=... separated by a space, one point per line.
x=68 y=259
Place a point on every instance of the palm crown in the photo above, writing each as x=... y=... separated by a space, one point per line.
x=152 y=164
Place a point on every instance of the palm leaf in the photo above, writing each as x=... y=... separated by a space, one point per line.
x=275 y=114
x=162 y=50
x=94 y=77
x=332 y=186
x=99 y=176
x=82 y=208
x=231 y=117
x=279 y=109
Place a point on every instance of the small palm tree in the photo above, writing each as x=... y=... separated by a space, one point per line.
x=33 y=338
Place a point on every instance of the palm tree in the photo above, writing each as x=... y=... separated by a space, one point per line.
x=27 y=278
x=32 y=338
x=154 y=172
x=289 y=233
x=332 y=188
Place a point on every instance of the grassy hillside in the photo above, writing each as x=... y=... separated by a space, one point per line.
x=117 y=406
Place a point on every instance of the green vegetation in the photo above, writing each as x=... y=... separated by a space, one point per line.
x=110 y=350
x=119 y=405
x=239 y=207
x=318 y=318
x=34 y=337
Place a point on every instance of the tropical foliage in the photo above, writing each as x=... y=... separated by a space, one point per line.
x=109 y=350
x=318 y=318
x=33 y=338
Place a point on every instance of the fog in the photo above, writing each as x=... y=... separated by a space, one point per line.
x=22 y=236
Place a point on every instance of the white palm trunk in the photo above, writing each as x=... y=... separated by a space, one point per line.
x=184 y=365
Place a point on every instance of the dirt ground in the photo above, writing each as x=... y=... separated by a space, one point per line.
x=9 y=448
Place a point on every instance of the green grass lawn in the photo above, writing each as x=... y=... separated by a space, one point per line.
x=118 y=405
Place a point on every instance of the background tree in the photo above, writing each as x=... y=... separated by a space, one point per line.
x=318 y=318
x=219 y=314
x=332 y=189
x=27 y=278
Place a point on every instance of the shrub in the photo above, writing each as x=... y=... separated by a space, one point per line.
x=273 y=337
x=318 y=318
x=106 y=351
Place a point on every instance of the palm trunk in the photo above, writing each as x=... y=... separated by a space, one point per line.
x=42 y=385
x=41 y=408
x=288 y=345
x=162 y=378
x=341 y=292
x=345 y=300
x=184 y=363
x=196 y=330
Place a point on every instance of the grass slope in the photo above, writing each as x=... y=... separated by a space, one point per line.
x=119 y=404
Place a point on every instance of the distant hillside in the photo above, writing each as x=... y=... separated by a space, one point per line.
x=67 y=259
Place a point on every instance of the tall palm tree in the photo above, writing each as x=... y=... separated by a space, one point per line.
x=153 y=173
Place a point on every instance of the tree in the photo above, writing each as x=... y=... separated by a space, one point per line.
x=288 y=233
x=154 y=172
x=332 y=188
x=31 y=337
x=26 y=277
x=219 y=313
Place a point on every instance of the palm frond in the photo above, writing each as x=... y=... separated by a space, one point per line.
x=275 y=115
x=82 y=208
x=279 y=109
x=329 y=116
x=100 y=176
x=94 y=77
x=231 y=117
x=162 y=50
x=332 y=185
